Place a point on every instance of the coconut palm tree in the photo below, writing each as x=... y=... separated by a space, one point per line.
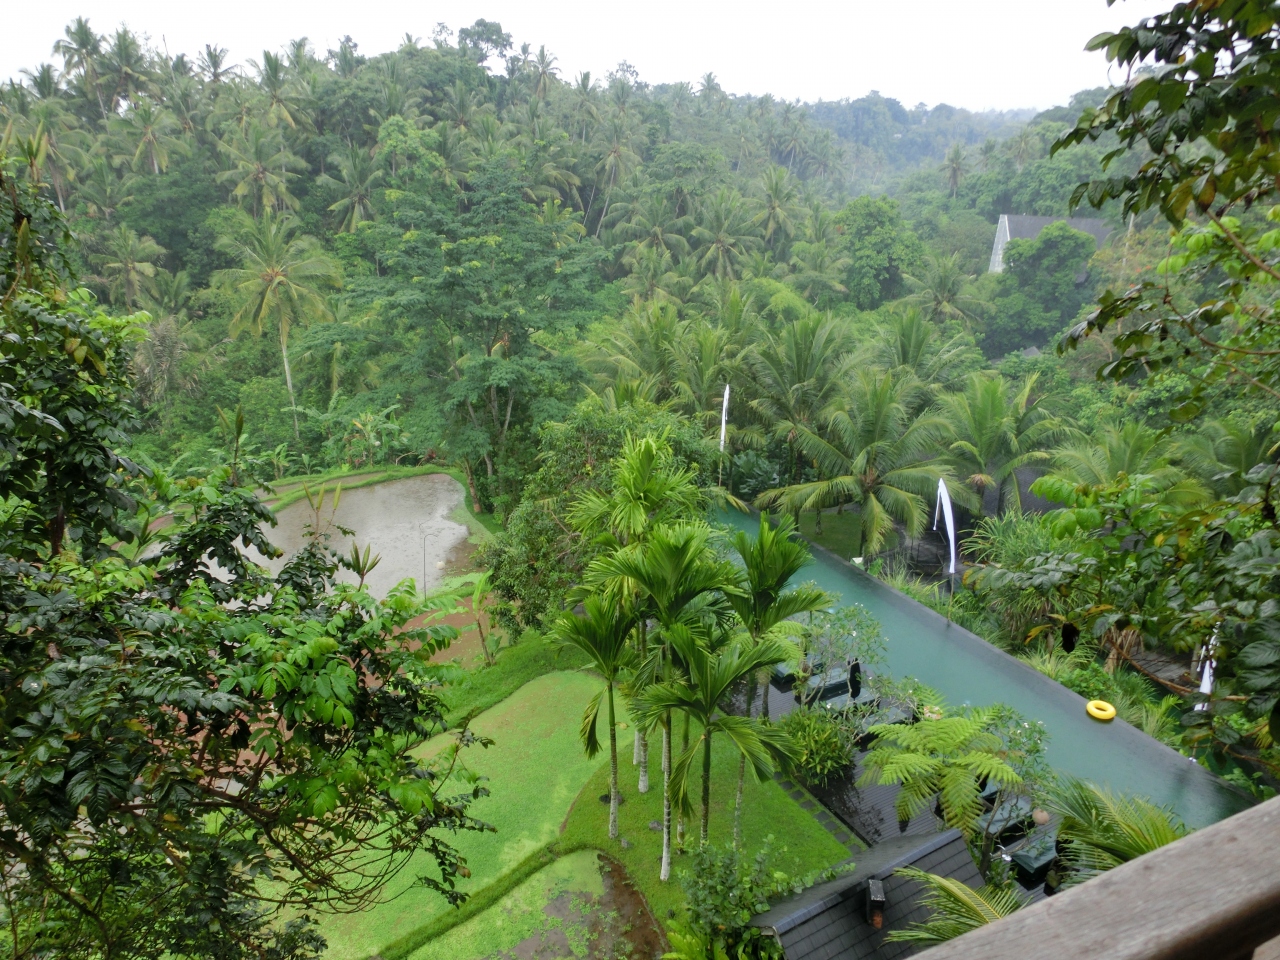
x=954 y=167
x=872 y=452
x=357 y=179
x=1133 y=449
x=150 y=136
x=956 y=908
x=725 y=235
x=797 y=377
x=81 y=49
x=765 y=606
x=940 y=290
x=710 y=675
x=1224 y=451
x=129 y=265
x=281 y=281
x=102 y=190
x=995 y=430
x=260 y=167
x=909 y=344
x=778 y=206
x=602 y=633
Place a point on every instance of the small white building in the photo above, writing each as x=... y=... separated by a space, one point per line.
x=1014 y=226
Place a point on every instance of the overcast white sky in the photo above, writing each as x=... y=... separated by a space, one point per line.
x=980 y=54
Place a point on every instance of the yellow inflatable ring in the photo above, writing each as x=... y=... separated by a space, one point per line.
x=1100 y=710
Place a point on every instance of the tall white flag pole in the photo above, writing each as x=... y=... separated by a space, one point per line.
x=724 y=429
x=944 y=507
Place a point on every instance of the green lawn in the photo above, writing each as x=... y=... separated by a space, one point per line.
x=482 y=687
x=801 y=844
x=841 y=532
x=536 y=769
x=548 y=914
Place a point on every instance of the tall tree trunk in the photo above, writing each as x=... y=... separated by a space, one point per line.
x=684 y=747
x=288 y=378
x=635 y=748
x=665 y=873
x=742 y=769
x=706 y=783
x=613 y=770
x=643 y=786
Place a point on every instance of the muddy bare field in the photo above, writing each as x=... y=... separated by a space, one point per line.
x=406 y=522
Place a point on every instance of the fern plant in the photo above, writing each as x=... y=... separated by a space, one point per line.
x=954 y=759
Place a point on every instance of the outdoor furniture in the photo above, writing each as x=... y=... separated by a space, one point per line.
x=1010 y=820
x=1032 y=861
x=832 y=683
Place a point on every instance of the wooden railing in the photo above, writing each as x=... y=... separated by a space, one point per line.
x=1214 y=895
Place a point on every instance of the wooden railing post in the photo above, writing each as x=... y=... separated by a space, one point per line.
x=1214 y=894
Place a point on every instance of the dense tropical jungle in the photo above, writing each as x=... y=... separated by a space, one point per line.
x=614 y=313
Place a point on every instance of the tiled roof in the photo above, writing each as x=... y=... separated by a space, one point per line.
x=828 y=920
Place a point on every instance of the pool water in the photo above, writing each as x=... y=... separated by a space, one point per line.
x=969 y=671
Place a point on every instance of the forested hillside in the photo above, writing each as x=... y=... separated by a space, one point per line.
x=613 y=312
x=401 y=254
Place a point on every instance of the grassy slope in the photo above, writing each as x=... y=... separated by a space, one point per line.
x=841 y=533
x=801 y=845
x=536 y=768
x=520 y=914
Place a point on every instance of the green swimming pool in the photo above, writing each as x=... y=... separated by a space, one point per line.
x=968 y=670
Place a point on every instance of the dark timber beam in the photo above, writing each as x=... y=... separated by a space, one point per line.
x=1214 y=894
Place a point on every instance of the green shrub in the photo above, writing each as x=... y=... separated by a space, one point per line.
x=824 y=747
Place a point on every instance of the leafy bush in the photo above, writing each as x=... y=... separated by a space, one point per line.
x=724 y=890
x=823 y=743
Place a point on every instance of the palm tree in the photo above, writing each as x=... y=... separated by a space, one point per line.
x=956 y=908
x=284 y=101
x=544 y=71
x=281 y=281
x=129 y=265
x=725 y=234
x=618 y=161
x=123 y=70
x=653 y=225
x=711 y=675
x=675 y=575
x=796 y=373
x=1224 y=451
x=102 y=190
x=940 y=292
x=1024 y=147
x=359 y=178
x=909 y=344
x=995 y=431
x=81 y=49
x=1116 y=453
x=150 y=136
x=765 y=606
x=988 y=155
x=871 y=451
x=816 y=270
x=601 y=633
x=649 y=489
x=954 y=166
x=260 y=166
x=776 y=218
x=1100 y=830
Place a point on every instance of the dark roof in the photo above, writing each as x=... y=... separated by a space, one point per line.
x=829 y=920
x=1028 y=228
x=869 y=811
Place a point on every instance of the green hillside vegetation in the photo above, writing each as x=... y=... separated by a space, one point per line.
x=609 y=309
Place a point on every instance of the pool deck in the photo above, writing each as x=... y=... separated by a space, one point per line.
x=967 y=670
